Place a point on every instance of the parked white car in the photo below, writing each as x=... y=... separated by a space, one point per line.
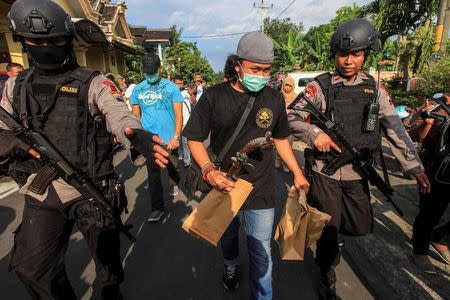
x=303 y=78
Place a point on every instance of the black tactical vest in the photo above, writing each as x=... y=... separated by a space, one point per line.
x=345 y=104
x=57 y=107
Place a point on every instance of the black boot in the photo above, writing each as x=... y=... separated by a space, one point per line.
x=327 y=286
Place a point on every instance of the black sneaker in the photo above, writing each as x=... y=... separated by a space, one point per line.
x=231 y=277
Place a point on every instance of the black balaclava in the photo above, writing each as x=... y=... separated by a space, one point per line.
x=51 y=58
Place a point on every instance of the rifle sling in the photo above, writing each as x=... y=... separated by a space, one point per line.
x=241 y=123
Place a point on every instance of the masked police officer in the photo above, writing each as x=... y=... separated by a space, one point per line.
x=77 y=110
x=343 y=96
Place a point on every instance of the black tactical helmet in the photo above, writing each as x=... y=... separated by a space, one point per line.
x=39 y=19
x=354 y=35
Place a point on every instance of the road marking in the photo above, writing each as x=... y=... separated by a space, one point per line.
x=422 y=284
x=8 y=188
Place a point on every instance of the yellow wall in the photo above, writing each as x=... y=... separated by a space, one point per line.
x=67 y=7
x=120 y=60
x=95 y=58
x=112 y=68
x=80 y=54
x=15 y=49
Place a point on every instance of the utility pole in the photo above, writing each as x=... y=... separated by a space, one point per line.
x=443 y=22
x=263 y=10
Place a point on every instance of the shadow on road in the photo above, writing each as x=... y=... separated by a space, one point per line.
x=7 y=215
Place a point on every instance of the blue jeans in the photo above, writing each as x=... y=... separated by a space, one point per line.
x=258 y=226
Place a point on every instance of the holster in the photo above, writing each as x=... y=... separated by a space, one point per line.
x=114 y=191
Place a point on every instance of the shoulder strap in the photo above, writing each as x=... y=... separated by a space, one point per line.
x=237 y=130
x=185 y=104
x=83 y=74
x=371 y=82
x=324 y=81
x=23 y=113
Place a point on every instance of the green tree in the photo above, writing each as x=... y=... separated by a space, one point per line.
x=288 y=42
x=187 y=60
x=399 y=17
x=318 y=38
x=411 y=21
x=134 y=66
x=435 y=77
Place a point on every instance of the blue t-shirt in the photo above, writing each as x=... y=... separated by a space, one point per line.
x=155 y=101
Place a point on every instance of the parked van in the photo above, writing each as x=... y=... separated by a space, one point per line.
x=302 y=79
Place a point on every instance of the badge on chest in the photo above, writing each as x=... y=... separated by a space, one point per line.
x=264 y=117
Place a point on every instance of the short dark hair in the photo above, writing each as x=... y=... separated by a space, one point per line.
x=178 y=77
x=229 y=70
x=9 y=66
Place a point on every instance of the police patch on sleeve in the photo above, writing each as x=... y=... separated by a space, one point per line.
x=264 y=117
x=310 y=90
x=113 y=90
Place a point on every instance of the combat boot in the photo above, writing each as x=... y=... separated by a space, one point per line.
x=327 y=286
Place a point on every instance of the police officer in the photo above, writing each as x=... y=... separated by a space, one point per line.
x=343 y=96
x=76 y=109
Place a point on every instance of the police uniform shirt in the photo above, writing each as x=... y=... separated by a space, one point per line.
x=102 y=97
x=218 y=112
x=399 y=141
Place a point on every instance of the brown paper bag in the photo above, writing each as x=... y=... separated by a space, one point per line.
x=299 y=227
x=213 y=215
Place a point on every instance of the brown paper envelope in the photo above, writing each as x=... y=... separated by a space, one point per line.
x=299 y=227
x=213 y=215
x=290 y=233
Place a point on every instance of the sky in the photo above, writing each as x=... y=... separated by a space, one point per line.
x=209 y=17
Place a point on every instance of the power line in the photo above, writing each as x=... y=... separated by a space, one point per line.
x=280 y=8
x=282 y=12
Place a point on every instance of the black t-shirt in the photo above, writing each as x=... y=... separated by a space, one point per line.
x=219 y=110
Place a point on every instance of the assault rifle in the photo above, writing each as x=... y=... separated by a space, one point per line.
x=349 y=153
x=58 y=166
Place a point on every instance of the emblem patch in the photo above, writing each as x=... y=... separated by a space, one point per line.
x=264 y=117
x=68 y=89
x=369 y=91
x=113 y=90
x=310 y=90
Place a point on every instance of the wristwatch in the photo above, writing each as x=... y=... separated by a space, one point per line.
x=177 y=137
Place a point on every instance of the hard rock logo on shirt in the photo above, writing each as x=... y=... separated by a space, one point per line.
x=264 y=117
x=149 y=97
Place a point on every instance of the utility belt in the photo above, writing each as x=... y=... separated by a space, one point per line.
x=110 y=186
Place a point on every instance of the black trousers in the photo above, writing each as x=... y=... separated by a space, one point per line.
x=348 y=204
x=155 y=183
x=432 y=208
x=40 y=244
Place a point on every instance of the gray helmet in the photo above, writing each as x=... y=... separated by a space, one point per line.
x=354 y=35
x=39 y=19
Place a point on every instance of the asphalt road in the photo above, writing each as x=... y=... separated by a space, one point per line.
x=166 y=263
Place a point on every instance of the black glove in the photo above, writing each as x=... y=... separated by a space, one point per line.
x=142 y=141
x=86 y=215
x=11 y=146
